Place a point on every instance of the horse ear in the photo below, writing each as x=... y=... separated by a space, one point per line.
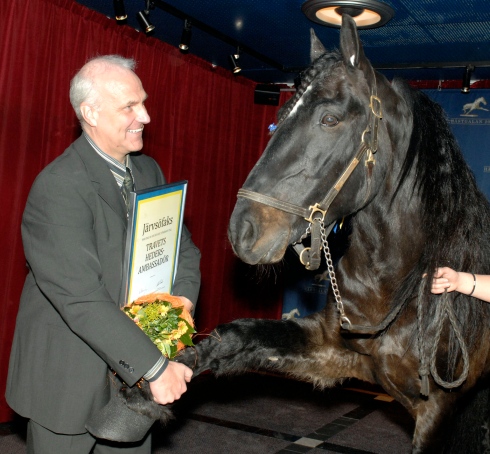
x=350 y=45
x=317 y=48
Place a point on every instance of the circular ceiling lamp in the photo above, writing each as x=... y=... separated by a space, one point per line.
x=366 y=13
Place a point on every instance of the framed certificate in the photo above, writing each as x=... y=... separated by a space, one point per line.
x=152 y=246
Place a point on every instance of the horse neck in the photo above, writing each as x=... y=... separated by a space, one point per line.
x=378 y=259
x=387 y=238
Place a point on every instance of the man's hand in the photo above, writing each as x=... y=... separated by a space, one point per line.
x=170 y=386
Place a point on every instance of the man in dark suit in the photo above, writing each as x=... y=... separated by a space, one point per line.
x=70 y=327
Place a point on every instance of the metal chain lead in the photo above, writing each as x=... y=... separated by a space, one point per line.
x=333 y=279
x=331 y=272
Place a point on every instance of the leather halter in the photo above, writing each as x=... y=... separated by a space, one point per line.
x=315 y=214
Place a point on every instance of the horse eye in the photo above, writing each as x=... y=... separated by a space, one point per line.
x=329 y=120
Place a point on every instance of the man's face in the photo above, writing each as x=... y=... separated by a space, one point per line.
x=121 y=113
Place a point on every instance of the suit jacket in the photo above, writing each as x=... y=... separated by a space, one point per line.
x=69 y=326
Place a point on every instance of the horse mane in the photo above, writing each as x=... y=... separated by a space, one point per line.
x=455 y=214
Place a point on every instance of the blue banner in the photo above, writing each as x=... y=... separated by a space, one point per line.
x=469 y=118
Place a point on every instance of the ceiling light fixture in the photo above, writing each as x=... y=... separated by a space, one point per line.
x=186 y=36
x=234 y=57
x=366 y=13
x=119 y=11
x=467 y=79
x=144 y=18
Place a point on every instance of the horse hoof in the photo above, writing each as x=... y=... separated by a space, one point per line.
x=188 y=357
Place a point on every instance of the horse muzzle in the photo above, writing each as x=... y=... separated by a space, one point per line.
x=258 y=234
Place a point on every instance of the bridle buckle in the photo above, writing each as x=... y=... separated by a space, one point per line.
x=375 y=105
x=316 y=209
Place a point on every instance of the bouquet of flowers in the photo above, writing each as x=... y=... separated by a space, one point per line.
x=164 y=320
x=132 y=411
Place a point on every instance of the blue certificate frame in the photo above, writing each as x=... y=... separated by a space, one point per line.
x=153 y=241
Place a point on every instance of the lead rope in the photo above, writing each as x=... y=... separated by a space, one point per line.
x=444 y=310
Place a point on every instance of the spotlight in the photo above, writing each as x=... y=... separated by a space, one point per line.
x=366 y=13
x=234 y=65
x=120 y=11
x=186 y=36
x=144 y=18
x=235 y=68
x=467 y=79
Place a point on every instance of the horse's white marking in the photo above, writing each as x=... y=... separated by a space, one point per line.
x=352 y=60
x=300 y=102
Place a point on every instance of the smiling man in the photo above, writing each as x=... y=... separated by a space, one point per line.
x=114 y=114
x=70 y=330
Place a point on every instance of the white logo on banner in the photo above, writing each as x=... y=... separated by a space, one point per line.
x=475 y=105
x=470 y=115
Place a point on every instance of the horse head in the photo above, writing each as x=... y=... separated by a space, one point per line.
x=320 y=131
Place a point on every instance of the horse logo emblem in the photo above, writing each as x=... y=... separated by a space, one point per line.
x=291 y=314
x=475 y=105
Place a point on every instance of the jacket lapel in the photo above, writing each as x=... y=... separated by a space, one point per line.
x=102 y=178
x=146 y=173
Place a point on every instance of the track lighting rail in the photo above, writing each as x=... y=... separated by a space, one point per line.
x=221 y=36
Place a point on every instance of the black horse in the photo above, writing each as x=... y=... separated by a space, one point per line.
x=350 y=143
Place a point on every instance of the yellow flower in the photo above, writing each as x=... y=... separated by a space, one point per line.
x=182 y=328
x=169 y=326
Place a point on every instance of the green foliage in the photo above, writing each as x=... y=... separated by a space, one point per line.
x=163 y=324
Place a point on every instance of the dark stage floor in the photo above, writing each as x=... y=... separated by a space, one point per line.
x=262 y=414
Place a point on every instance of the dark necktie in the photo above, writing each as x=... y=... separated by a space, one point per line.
x=127 y=187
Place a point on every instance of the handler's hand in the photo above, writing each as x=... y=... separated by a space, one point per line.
x=170 y=386
x=445 y=279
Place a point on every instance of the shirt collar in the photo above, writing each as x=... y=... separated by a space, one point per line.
x=118 y=169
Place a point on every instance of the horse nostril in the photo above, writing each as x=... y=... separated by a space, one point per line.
x=242 y=235
x=247 y=235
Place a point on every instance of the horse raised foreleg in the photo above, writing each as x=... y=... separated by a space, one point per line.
x=299 y=348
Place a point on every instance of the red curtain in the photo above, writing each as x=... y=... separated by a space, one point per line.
x=205 y=128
